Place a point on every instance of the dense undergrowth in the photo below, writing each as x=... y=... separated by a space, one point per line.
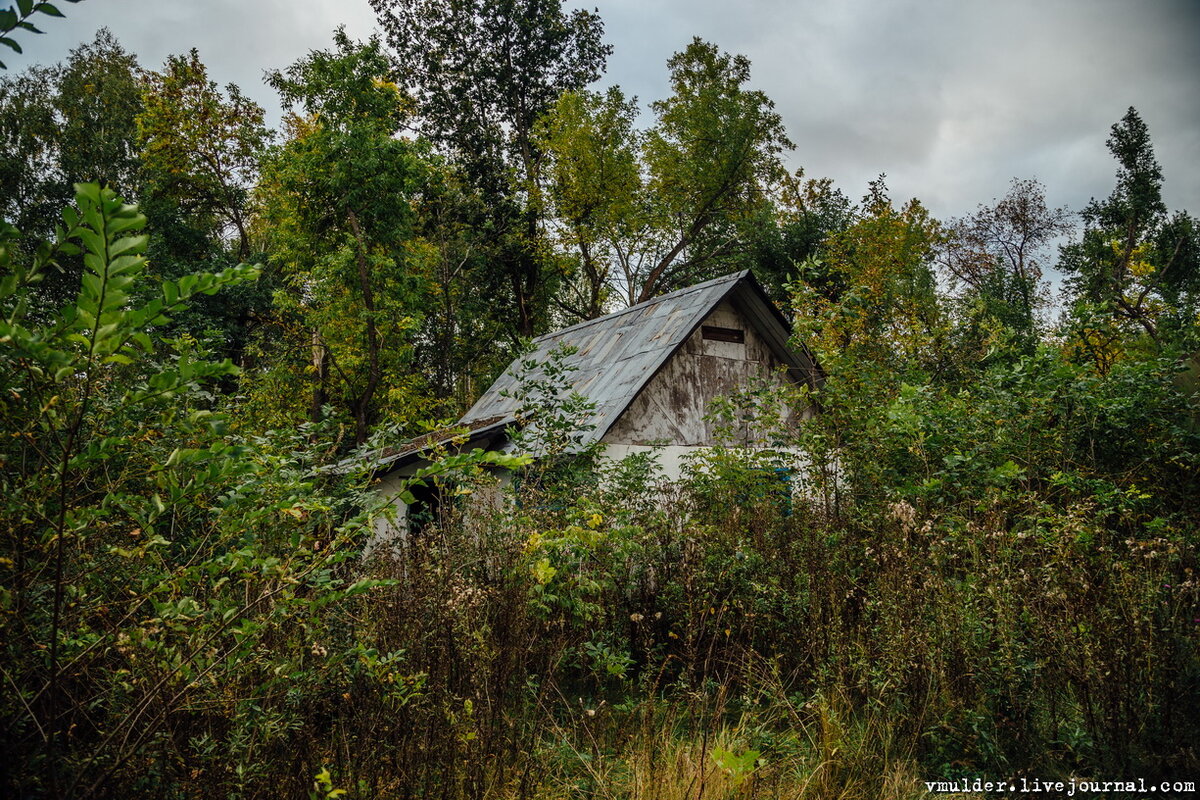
x=998 y=581
x=724 y=639
x=992 y=574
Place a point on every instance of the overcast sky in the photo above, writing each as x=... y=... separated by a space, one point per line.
x=951 y=98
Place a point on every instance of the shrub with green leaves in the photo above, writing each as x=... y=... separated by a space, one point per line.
x=176 y=604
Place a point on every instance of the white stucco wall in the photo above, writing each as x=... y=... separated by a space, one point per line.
x=390 y=525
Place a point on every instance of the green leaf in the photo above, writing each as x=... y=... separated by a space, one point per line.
x=25 y=6
x=122 y=264
x=86 y=193
x=127 y=244
x=10 y=43
x=91 y=284
x=49 y=10
x=124 y=223
x=93 y=241
x=543 y=572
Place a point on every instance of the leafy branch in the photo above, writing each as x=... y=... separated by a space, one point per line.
x=16 y=17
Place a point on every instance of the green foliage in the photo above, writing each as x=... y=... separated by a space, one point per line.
x=738 y=766
x=200 y=149
x=711 y=157
x=868 y=307
x=1136 y=268
x=596 y=191
x=522 y=55
x=482 y=74
x=643 y=213
x=971 y=547
x=60 y=124
x=31 y=131
x=460 y=344
x=98 y=100
x=349 y=264
x=777 y=239
x=552 y=419
x=169 y=592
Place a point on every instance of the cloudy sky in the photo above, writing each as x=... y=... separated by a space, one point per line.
x=951 y=98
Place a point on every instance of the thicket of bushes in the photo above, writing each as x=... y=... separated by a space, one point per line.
x=969 y=598
x=994 y=581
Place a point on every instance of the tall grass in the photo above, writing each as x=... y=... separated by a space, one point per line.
x=699 y=648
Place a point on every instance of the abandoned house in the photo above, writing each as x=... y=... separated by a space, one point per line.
x=649 y=372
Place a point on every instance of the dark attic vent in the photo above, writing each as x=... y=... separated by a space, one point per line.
x=722 y=334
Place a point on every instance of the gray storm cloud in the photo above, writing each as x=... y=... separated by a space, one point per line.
x=950 y=99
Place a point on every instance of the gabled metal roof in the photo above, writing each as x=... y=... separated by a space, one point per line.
x=619 y=353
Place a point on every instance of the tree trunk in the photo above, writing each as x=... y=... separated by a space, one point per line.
x=321 y=366
x=362 y=406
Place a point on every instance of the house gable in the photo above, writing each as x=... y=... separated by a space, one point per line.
x=672 y=406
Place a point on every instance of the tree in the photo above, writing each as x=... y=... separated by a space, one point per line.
x=869 y=305
x=782 y=235
x=98 y=102
x=200 y=147
x=64 y=123
x=1135 y=264
x=596 y=192
x=712 y=157
x=649 y=212
x=199 y=152
x=996 y=256
x=1010 y=236
x=461 y=340
x=482 y=74
x=29 y=143
x=337 y=203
